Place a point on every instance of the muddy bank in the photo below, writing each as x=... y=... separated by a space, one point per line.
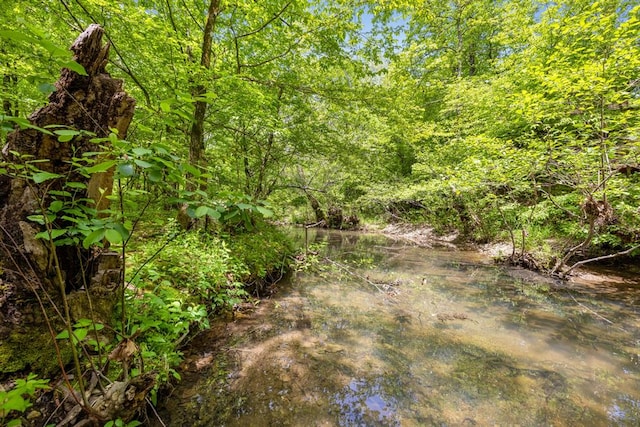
x=421 y=236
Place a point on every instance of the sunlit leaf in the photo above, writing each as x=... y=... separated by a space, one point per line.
x=267 y=213
x=43 y=176
x=113 y=236
x=142 y=163
x=101 y=167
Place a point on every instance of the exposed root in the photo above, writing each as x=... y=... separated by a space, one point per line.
x=119 y=400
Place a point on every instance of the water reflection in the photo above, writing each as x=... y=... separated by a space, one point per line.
x=389 y=334
x=365 y=403
x=625 y=410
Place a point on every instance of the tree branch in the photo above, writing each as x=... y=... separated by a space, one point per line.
x=600 y=258
x=567 y=211
x=265 y=24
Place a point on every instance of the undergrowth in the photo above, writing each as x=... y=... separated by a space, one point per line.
x=180 y=280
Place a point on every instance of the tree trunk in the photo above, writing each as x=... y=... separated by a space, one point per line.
x=196 y=136
x=30 y=288
x=317 y=209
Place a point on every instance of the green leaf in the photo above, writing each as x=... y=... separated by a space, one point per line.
x=165 y=105
x=66 y=132
x=26 y=124
x=201 y=211
x=56 y=206
x=155 y=175
x=54 y=234
x=126 y=170
x=94 y=237
x=63 y=335
x=46 y=88
x=213 y=213
x=120 y=228
x=39 y=219
x=74 y=66
x=101 y=167
x=192 y=170
x=80 y=334
x=15 y=403
x=139 y=151
x=83 y=323
x=17 y=36
x=60 y=193
x=41 y=177
x=142 y=164
x=78 y=185
x=113 y=236
x=267 y=213
x=14 y=423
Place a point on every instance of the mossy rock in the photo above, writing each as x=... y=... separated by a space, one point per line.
x=31 y=350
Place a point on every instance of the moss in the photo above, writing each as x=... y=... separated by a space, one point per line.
x=32 y=350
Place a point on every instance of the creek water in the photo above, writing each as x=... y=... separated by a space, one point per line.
x=396 y=335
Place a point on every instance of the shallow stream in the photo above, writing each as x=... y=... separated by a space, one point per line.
x=395 y=335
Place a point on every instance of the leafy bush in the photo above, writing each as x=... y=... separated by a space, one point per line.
x=260 y=252
x=17 y=400
x=163 y=319
x=196 y=263
x=186 y=277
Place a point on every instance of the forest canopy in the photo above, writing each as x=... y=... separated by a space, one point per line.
x=501 y=120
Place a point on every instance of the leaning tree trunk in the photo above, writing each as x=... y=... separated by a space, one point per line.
x=30 y=289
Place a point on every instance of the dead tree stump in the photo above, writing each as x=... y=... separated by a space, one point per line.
x=96 y=103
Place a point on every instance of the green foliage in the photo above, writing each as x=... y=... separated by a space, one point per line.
x=493 y=119
x=163 y=319
x=17 y=400
x=80 y=331
x=234 y=211
x=196 y=275
x=262 y=252
x=205 y=274
x=120 y=423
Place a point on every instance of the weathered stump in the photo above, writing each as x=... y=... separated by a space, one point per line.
x=28 y=281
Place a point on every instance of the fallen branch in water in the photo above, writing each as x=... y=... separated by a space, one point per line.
x=600 y=258
x=348 y=270
x=590 y=310
x=595 y=313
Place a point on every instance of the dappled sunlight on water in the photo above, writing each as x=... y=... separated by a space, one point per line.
x=395 y=335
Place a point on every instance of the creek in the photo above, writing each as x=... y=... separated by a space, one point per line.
x=392 y=334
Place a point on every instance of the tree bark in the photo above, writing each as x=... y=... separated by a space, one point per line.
x=28 y=280
x=196 y=137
